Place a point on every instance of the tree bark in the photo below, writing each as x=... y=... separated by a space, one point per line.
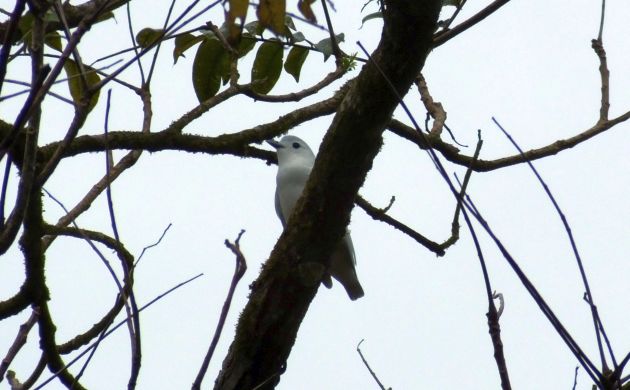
x=280 y=297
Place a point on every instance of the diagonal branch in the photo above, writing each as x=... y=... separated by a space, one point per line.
x=446 y=35
x=453 y=155
x=284 y=290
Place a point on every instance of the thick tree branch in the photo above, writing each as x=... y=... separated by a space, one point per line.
x=289 y=280
x=236 y=144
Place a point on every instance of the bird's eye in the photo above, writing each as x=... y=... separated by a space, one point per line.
x=296 y=145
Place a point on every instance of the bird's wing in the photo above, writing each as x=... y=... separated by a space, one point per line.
x=279 y=209
x=349 y=247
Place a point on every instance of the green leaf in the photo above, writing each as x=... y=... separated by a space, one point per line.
x=349 y=62
x=305 y=8
x=148 y=36
x=271 y=14
x=254 y=28
x=51 y=17
x=246 y=45
x=25 y=25
x=53 y=39
x=373 y=15
x=298 y=37
x=325 y=45
x=76 y=84
x=288 y=21
x=211 y=63
x=104 y=16
x=295 y=60
x=267 y=66
x=184 y=42
x=238 y=10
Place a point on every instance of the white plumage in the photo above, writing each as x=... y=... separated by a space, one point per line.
x=295 y=161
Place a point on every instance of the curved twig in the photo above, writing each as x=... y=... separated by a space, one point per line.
x=239 y=270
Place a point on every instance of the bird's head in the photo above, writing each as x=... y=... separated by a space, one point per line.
x=291 y=149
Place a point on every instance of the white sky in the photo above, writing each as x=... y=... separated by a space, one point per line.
x=423 y=318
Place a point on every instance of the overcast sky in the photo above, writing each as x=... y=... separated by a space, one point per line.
x=423 y=320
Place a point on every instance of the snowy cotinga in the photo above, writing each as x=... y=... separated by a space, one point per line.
x=295 y=161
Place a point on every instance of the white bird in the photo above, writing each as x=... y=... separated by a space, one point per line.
x=295 y=161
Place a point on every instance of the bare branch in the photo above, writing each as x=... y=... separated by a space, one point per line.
x=152 y=245
x=576 y=253
x=118 y=325
x=239 y=270
x=132 y=38
x=575 y=377
x=573 y=346
x=381 y=215
x=18 y=343
x=333 y=39
x=601 y=22
x=434 y=108
x=453 y=155
x=598 y=47
x=493 y=315
x=368 y=366
x=446 y=35
x=10 y=30
x=293 y=96
x=169 y=139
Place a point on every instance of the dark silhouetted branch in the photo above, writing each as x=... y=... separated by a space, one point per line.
x=368 y=367
x=239 y=270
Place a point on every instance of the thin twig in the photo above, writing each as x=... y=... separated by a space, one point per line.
x=564 y=334
x=5 y=50
x=293 y=96
x=598 y=47
x=75 y=52
x=171 y=29
x=5 y=186
x=578 y=259
x=152 y=245
x=174 y=27
x=27 y=161
x=450 y=20
x=37 y=372
x=460 y=198
x=573 y=346
x=27 y=90
x=381 y=215
x=444 y=36
x=368 y=366
x=132 y=37
x=132 y=315
x=108 y=166
x=492 y=315
x=118 y=325
x=499 y=296
x=25 y=112
x=239 y=270
x=601 y=22
x=126 y=260
x=333 y=40
x=18 y=343
x=159 y=45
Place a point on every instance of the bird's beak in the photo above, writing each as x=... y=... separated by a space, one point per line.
x=275 y=143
